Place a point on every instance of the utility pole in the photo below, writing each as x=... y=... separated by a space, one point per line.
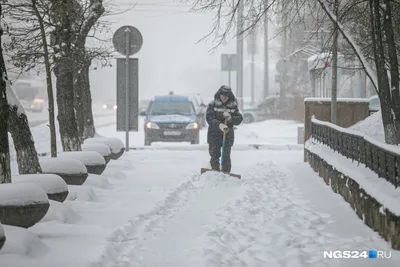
x=334 y=66
x=252 y=85
x=283 y=78
x=362 y=84
x=239 y=52
x=252 y=50
x=266 y=54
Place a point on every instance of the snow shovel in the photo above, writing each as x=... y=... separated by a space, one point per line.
x=203 y=170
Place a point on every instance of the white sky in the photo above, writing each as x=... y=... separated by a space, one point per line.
x=170 y=59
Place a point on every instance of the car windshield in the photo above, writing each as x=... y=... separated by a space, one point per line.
x=171 y=108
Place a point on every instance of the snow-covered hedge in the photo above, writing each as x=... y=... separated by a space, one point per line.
x=88 y=158
x=103 y=149
x=50 y=183
x=115 y=144
x=62 y=165
x=54 y=186
x=22 y=205
x=21 y=195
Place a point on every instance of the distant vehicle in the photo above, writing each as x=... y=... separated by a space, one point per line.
x=109 y=104
x=200 y=108
x=374 y=104
x=250 y=111
x=171 y=118
x=143 y=104
x=31 y=94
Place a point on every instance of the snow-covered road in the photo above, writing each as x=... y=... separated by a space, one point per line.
x=153 y=208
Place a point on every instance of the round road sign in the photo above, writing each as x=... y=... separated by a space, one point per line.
x=120 y=39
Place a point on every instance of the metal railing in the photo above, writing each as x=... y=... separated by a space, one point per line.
x=378 y=157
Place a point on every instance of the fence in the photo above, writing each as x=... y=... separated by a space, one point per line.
x=379 y=157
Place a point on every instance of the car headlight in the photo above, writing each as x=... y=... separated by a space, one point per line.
x=152 y=125
x=104 y=106
x=193 y=125
x=115 y=107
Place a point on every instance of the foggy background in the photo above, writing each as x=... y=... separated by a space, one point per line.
x=171 y=58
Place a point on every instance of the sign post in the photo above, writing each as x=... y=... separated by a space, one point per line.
x=229 y=63
x=127 y=40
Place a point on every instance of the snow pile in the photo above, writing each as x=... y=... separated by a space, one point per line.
x=81 y=193
x=98 y=181
x=115 y=144
x=236 y=147
x=218 y=180
x=103 y=149
x=50 y=183
x=62 y=166
x=61 y=213
x=371 y=126
x=88 y=158
x=328 y=99
x=22 y=195
x=383 y=191
x=21 y=241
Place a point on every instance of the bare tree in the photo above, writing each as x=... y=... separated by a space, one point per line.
x=31 y=49
x=378 y=19
x=49 y=82
x=5 y=169
x=386 y=61
x=63 y=14
x=91 y=12
x=25 y=53
x=18 y=126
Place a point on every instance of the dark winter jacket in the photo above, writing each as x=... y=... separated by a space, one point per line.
x=214 y=117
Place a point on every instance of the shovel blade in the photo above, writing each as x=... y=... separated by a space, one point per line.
x=203 y=170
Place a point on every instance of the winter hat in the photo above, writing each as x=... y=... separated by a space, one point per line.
x=225 y=90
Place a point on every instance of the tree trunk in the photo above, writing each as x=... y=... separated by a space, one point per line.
x=83 y=103
x=27 y=157
x=53 y=140
x=83 y=98
x=334 y=66
x=5 y=168
x=18 y=126
x=390 y=125
x=64 y=71
x=65 y=101
x=393 y=89
x=78 y=102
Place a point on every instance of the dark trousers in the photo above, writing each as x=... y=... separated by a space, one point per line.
x=215 y=154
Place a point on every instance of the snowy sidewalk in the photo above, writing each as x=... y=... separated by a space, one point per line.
x=265 y=219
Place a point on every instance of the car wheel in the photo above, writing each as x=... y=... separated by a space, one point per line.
x=248 y=118
x=147 y=142
x=196 y=141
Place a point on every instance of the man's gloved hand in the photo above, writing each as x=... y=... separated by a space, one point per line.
x=223 y=127
x=227 y=116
